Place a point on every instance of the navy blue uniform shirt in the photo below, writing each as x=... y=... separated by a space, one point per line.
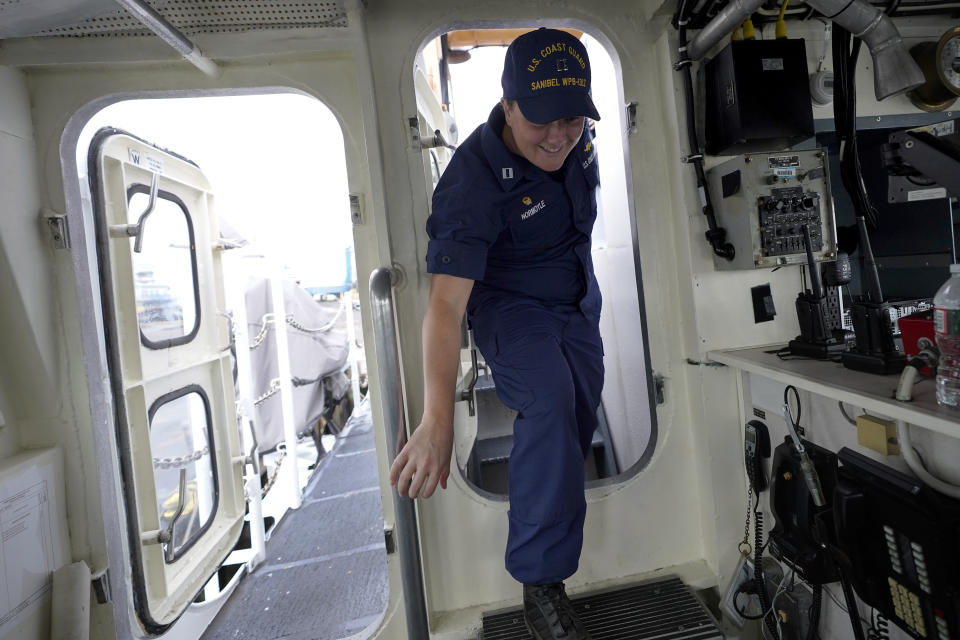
x=514 y=229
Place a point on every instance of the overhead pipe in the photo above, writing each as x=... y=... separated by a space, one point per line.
x=722 y=25
x=152 y=20
x=894 y=70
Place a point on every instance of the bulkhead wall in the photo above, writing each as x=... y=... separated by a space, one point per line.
x=76 y=78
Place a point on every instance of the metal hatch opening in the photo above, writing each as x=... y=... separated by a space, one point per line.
x=457 y=79
x=273 y=206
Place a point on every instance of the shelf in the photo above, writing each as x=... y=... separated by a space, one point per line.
x=831 y=379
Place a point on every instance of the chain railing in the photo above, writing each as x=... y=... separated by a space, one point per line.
x=265 y=323
x=269 y=318
x=276 y=471
x=272 y=390
x=178 y=462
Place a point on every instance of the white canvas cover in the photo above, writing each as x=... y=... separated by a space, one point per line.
x=318 y=355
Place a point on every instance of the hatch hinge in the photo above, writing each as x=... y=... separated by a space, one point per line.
x=390 y=540
x=356 y=208
x=101 y=586
x=414 y=124
x=58 y=227
x=659 y=385
x=631 y=108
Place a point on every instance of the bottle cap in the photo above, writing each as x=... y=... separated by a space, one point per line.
x=955 y=268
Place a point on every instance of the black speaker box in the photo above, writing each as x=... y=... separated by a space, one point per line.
x=757 y=97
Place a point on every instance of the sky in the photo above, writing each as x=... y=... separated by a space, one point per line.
x=276 y=164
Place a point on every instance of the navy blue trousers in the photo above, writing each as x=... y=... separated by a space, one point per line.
x=547 y=365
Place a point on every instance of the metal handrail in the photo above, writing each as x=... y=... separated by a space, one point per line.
x=391 y=404
x=473 y=376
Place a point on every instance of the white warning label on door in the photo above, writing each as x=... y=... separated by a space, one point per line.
x=145 y=160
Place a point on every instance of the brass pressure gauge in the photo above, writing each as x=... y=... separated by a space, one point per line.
x=948 y=59
x=940 y=62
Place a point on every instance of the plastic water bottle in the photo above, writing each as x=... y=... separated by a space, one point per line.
x=946 y=318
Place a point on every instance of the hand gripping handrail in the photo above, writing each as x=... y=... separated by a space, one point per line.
x=391 y=405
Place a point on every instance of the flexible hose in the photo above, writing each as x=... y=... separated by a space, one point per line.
x=905 y=386
x=913 y=461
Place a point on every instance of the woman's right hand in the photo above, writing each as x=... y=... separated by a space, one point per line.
x=424 y=461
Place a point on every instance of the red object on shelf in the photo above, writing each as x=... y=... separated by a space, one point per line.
x=912 y=328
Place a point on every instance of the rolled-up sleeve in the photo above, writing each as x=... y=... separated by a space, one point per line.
x=464 y=223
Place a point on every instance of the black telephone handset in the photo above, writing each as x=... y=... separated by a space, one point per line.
x=756 y=448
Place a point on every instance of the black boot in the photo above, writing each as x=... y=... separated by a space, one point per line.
x=549 y=614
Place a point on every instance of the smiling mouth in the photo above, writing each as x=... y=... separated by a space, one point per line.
x=549 y=150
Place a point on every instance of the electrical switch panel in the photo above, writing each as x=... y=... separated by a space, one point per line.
x=764 y=201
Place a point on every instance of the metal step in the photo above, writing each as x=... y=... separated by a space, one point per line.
x=664 y=609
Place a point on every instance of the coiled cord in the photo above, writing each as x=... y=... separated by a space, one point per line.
x=765 y=604
x=879 y=627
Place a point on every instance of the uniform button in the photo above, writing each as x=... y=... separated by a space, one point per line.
x=445 y=259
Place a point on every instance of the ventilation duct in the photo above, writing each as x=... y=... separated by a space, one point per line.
x=894 y=71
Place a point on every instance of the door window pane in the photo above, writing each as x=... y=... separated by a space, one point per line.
x=164 y=271
x=180 y=439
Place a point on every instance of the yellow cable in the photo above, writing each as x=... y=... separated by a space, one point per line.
x=748 y=31
x=781 y=28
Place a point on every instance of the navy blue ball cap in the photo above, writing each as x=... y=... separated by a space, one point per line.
x=547 y=72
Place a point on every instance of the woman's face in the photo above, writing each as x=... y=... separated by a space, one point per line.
x=544 y=145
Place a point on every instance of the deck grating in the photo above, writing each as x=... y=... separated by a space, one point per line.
x=661 y=610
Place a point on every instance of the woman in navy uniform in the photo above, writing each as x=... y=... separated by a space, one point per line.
x=510 y=245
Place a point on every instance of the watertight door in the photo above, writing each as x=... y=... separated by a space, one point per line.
x=167 y=339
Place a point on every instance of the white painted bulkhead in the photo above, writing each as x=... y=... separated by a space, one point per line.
x=63 y=384
x=683 y=512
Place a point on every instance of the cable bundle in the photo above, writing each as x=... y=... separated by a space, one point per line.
x=844 y=117
x=716 y=235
